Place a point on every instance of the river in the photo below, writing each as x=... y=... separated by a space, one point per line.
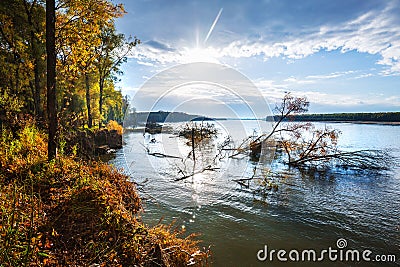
x=306 y=212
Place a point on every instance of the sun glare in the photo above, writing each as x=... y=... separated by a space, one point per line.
x=199 y=54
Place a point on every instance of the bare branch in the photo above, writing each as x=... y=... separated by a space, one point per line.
x=208 y=168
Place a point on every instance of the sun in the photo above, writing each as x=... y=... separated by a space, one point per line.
x=200 y=54
x=203 y=54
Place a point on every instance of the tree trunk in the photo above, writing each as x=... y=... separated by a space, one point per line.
x=194 y=156
x=36 y=96
x=51 y=78
x=16 y=88
x=89 y=111
x=101 y=85
x=36 y=59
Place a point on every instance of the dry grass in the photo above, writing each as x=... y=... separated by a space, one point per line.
x=77 y=213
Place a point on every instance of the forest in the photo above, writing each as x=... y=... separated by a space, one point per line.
x=89 y=53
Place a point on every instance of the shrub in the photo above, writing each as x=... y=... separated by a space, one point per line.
x=113 y=125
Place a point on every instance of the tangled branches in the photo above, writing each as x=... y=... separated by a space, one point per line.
x=304 y=145
x=198 y=132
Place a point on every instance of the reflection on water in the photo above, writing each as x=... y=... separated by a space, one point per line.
x=306 y=212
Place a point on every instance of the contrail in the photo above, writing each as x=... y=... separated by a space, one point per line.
x=213 y=25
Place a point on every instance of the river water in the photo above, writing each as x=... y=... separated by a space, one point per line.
x=308 y=211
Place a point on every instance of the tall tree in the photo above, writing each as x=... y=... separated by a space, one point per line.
x=88 y=98
x=79 y=54
x=51 y=77
x=112 y=52
x=34 y=14
x=22 y=51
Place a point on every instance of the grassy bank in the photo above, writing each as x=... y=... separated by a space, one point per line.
x=69 y=212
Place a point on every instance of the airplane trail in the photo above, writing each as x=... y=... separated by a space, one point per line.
x=213 y=25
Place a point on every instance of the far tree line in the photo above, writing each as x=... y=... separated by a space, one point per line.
x=375 y=117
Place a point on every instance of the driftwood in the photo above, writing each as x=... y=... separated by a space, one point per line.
x=243 y=181
x=208 y=168
x=162 y=155
x=159 y=155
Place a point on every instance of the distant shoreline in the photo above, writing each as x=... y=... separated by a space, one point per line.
x=382 y=118
x=393 y=123
x=379 y=118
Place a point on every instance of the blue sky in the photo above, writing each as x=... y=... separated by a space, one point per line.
x=343 y=55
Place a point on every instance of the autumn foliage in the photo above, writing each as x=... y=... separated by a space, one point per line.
x=72 y=213
x=113 y=125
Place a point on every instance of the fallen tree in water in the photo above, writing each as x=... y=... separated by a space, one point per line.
x=320 y=150
x=306 y=146
x=197 y=131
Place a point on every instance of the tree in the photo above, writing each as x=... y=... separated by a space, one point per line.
x=51 y=78
x=26 y=39
x=112 y=52
x=289 y=107
x=306 y=146
x=22 y=53
x=88 y=106
x=130 y=115
x=79 y=26
x=317 y=149
x=34 y=13
x=91 y=55
x=286 y=110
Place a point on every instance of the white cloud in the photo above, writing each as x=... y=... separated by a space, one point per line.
x=376 y=32
x=148 y=55
x=129 y=90
x=366 y=75
x=299 y=81
x=393 y=100
x=144 y=63
x=330 y=75
x=345 y=100
x=274 y=92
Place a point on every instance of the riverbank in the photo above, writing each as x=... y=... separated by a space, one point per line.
x=70 y=212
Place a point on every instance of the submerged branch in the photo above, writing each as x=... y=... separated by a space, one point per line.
x=162 y=155
x=208 y=168
x=361 y=159
x=158 y=154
